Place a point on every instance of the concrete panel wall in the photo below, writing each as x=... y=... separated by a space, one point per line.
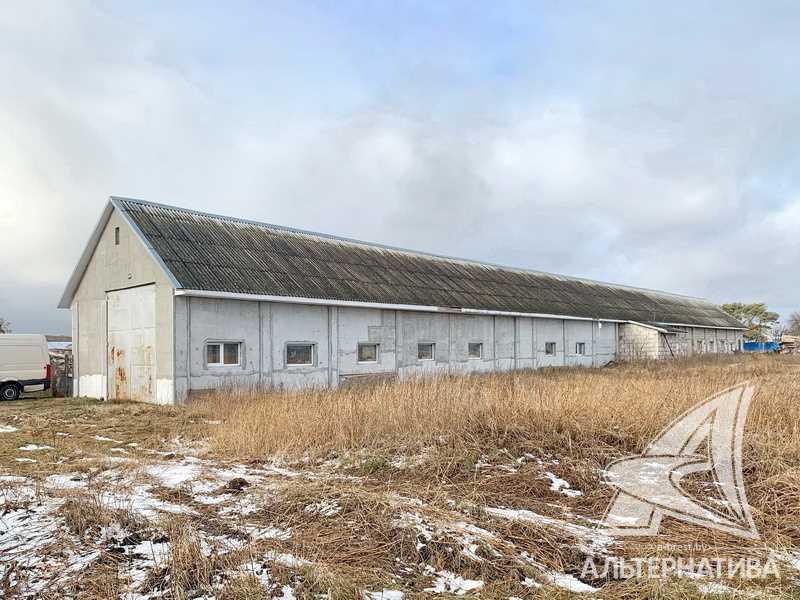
x=416 y=328
x=579 y=332
x=524 y=353
x=114 y=267
x=714 y=341
x=476 y=329
x=365 y=325
x=181 y=333
x=220 y=321
x=544 y=331
x=91 y=368
x=605 y=343
x=295 y=323
x=504 y=343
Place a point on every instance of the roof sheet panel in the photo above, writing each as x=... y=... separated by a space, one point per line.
x=209 y=252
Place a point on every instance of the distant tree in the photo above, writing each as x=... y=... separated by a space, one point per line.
x=756 y=317
x=793 y=327
x=5 y=326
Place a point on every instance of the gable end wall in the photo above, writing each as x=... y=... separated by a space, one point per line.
x=114 y=267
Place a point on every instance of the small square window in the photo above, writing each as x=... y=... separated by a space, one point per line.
x=116 y=236
x=550 y=348
x=300 y=354
x=580 y=348
x=220 y=354
x=368 y=353
x=475 y=350
x=426 y=351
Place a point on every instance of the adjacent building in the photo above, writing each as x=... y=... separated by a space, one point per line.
x=166 y=301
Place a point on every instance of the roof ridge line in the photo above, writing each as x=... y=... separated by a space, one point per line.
x=401 y=249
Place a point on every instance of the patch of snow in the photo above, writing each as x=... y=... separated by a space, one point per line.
x=276 y=470
x=102 y=438
x=286 y=560
x=13 y=478
x=212 y=422
x=8 y=429
x=25 y=533
x=531 y=583
x=561 y=485
x=266 y=533
x=414 y=521
x=257 y=570
x=325 y=508
x=63 y=434
x=562 y=580
x=34 y=447
x=119 y=450
x=597 y=541
x=211 y=500
x=141 y=501
x=715 y=588
x=384 y=595
x=69 y=481
x=471 y=534
x=233 y=472
x=447 y=582
x=568 y=582
x=287 y=593
x=172 y=475
x=11 y=494
x=76 y=562
x=242 y=506
x=27 y=460
x=156 y=552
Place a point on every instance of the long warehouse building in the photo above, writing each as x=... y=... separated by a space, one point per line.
x=166 y=301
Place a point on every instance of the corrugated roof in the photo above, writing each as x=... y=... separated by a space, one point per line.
x=225 y=254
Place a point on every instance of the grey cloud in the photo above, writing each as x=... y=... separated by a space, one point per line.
x=643 y=148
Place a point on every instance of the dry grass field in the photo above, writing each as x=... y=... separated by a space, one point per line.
x=469 y=486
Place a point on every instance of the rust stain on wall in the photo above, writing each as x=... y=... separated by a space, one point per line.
x=120 y=383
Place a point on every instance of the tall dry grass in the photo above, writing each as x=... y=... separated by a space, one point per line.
x=570 y=410
x=584 y=417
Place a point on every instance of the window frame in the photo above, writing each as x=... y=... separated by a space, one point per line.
x=289 y=365
x=116 y=236
x=377 y=358
x=480 y=351
x=548 y=345
x=433 y=351
x=580 y=349
x=221 y=344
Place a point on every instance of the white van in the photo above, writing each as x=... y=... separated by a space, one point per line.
x=24 y=365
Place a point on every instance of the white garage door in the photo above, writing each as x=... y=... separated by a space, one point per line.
x=132 y=344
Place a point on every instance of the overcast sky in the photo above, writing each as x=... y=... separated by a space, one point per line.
x=650 y=145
